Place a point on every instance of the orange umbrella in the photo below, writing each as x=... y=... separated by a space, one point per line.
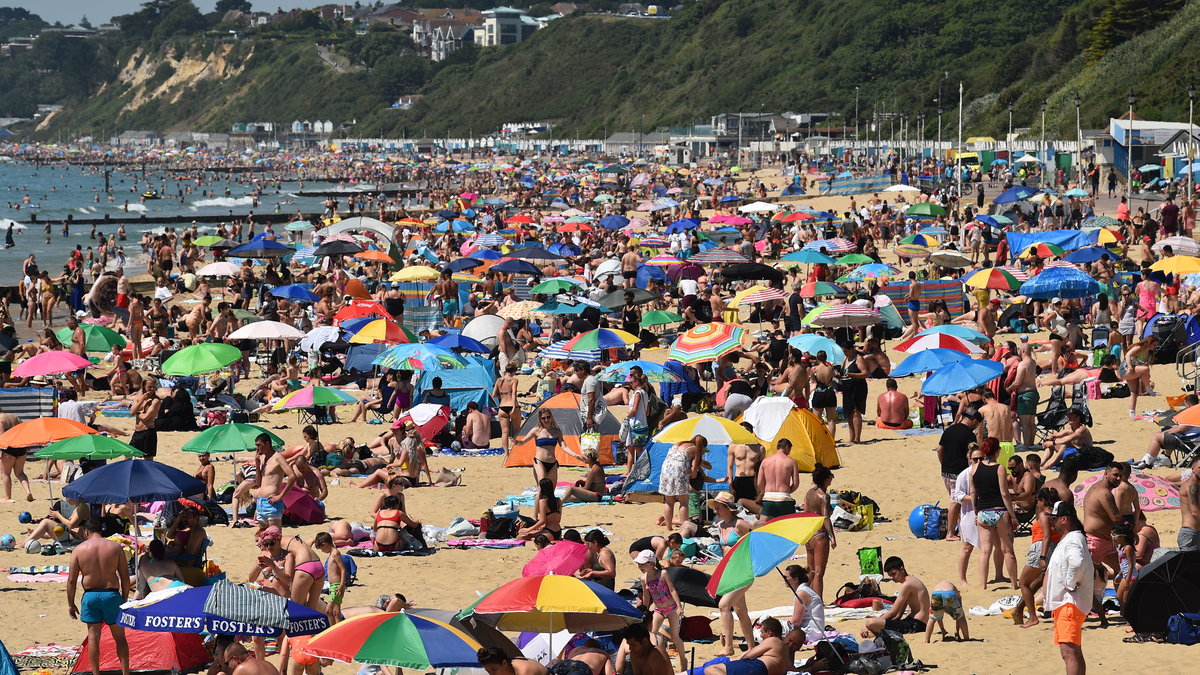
x=377 y=256
x=43 y=431
x=356 y=289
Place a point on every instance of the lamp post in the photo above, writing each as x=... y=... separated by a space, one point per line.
x=1129 y=153
x=1191 y=91
x=1008 y=138
x=1042 y=149
x=921 y=134
x=1078 y=144
x=856 y=115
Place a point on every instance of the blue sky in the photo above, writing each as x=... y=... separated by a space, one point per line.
x=100 y=11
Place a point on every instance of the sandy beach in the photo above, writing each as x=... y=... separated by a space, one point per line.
x=898 y=472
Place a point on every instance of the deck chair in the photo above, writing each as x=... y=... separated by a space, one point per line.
x=1024 y=521
x=1054 y=415
x=1079 y=401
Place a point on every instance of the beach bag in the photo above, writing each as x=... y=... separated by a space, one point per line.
x=896 y=646
x=936 y=519
x=861 y=594
x=501 y=528
x=1183 y=629
x=1119 y=390
x=589 y=440
x=1093 y=390
x=696 y=629
x=1095 y=458
x=870 y=560
x=843 y=519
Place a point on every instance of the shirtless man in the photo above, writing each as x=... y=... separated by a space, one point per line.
x=1024 y=386
x=644 y=657
x=477 y=430
x=496 y=662
x=1024 y=487
x=997 y=418
x=744 y=461
x=1189 y=509
x=912 y=302
x=775 y=655
x=629 y=266
x=275 y=477
x=910 y=613
x=1076 y=435
x=777 y=479
x=505 y=392
x=99 y=564
x=1128 y=503
x=798 y=382
x=594 y=656
x=137 y=323
x=79 y=348
x=239 y=661
x=308 y=478
x=891 y=408
x=1099 y=515
x=507 y=345
x=144 y=410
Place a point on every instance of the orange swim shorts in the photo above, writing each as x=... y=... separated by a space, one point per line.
x=1068 y=625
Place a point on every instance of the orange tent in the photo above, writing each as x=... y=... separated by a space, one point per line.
x=565 y=408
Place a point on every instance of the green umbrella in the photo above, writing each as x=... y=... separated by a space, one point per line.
x=812 y=316
x=554 y=286
x=855 y=259
x=97 y=338
x=90 y=446
x=206 y=240
x=234 y=437
x=660 y=317
x=202 y=358
x=925 y=209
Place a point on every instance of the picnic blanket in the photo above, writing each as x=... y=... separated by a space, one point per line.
x=949 y=290
x=832 y=613
x=36 y=578
x=465 y=452
x=485 y=543
x=52 y=656
x=917 y=432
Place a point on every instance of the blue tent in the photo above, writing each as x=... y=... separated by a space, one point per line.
x=359 y=357
x=1062 y=282
x=792 y=190
x=717 y=455
x=647 y=272
x=7 y=667
x=473 y=383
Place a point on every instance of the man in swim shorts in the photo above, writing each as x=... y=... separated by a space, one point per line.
x=910 y=612
x=99 y=565
x=777 y=479
x=275 y=476
x=774 y=655
x=1024 y=387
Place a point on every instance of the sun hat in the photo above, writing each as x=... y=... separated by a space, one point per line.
x=724 y=499
x=644 y=557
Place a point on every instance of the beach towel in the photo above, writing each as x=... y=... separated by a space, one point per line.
x=916 y=432
x=472 y=453
x=485 y=543
x=35 y=578
x=39 y=569
x=52 y=656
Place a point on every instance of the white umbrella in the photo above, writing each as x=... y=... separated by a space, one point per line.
x=610 y=266
x=267 y=330
x=220 y=269
x=1179 y=245
x=317 y=337
x=1027 y=159
x=484 y=328
x=950 y=258
x=902 y=188
x=758 y=207
x=847 y=316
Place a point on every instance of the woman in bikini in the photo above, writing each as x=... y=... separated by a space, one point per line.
x=816 y=501
x=547 y=437
x=824 y=396
x=388 y=522
x=592 y=488
x=548 y=514
x=505 y=392
x=301 y=575
x=1137 y=360
x=730 y=529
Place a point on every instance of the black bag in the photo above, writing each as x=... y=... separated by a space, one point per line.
x=501 y=528
x=1095 y=458
x=1120 y=390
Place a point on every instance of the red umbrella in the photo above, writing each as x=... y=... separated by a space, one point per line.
x=796 y=215
x=561 y=557
x=360 y=308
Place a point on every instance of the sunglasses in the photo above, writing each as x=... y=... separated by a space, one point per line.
x=976 y=459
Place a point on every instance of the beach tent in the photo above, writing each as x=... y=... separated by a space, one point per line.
x=148 y=652
x=776 y=417
x=647 y=470
x=359 y=357
x=565 y=408
x=1067 y=240
x=7 y=667
x=473 y=383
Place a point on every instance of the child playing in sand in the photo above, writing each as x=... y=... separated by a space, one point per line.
x=945 y=599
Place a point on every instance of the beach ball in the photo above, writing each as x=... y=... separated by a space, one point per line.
x=7 y=542
x=33 y=546
x=24 y=517
x=918 y=519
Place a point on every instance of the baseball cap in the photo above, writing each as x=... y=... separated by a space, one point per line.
x=972 y=414
x=1055 y=300
x=1062 y=509
x=644 y=557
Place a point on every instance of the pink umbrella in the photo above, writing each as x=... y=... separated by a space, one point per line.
x=50 y=363
x=561 y=558
x=1154 y=493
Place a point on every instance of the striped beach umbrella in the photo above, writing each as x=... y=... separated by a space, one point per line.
x=312 y=396
x=718 y=256
x=1018 y=273
x=664 y=260
x=1042 y=250
x=764 y=295
x=993 y=277
x=847 y=316
x=707 y=342
x=920 y=240
x=911 y=251
x=815 y=289
x=491 y=239
x=555 y=352
x=654 y=242
x=399 y=639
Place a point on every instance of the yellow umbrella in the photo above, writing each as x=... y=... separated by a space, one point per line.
x=416 y=273
x=518 y=310
x=1177 y=264
x=742 y=295
x=718 y=431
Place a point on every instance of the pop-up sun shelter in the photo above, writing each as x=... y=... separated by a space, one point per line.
x=148 y=652
x=565 y=408
x=473 y=383
x=774 y=418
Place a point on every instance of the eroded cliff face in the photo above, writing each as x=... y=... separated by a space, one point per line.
x=144 y=73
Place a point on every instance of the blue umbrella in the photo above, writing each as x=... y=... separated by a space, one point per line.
x=515 y=267
x=959 y=376
x=260 y=248
x=654 y=372
x=926 y=361
x=683 y=224
x=141 y=480
x=809 y=256
x=614 y=222
x=563 y=249
x=461 y=264
x=994 y=221
x=457 y=226
x=968 y=334
x=1015 y=194
x=459 y=341
x=1090 y=254
x=811 y=343
x=534 y=252
x=295 y=292
x=485 y=254
x=556 y=307
x=352 y=326
x=730 y=198
x=1061 y=282
x=192 y=612
x=999 y=162
x=934 y=231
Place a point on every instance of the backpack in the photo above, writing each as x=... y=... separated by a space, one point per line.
x=655 y=407
x=1184 y=629
x=897 y=647
x=860 y=594
x=501 y=528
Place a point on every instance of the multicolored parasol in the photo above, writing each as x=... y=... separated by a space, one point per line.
x=396 y=639
x=760 y=551
x=707 y=342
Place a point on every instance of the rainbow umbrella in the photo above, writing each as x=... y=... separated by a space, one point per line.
x=654 y=242
x=601 y=338
x=911 y=251
x=815 y=289
x=464 y=278
x=707 y=342
x=919 y=240
x=312 y=396
x=232 y=437
x=51 y=363
x=993 y=277
x=382 y=330
x=1042 y=250
x=396 y=639
x=202 y=358
x=761 y=551
x=548 y=604
x=664 y=260
x=418 y=357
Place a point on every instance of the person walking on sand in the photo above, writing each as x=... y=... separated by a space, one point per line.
x=99 y=565
x=912 y=302
x=1024 y=386
x=1069 y=585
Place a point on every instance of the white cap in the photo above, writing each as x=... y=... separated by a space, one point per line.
x=644 y=557
x=1055 y=300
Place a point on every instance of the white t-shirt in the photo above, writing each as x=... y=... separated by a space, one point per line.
x=79 y=411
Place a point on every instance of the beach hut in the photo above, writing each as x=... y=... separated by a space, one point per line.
x=565 y=408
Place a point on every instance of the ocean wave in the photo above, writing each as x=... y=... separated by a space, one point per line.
x=223 y=201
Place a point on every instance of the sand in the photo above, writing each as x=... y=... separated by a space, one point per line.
x=898 y=472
